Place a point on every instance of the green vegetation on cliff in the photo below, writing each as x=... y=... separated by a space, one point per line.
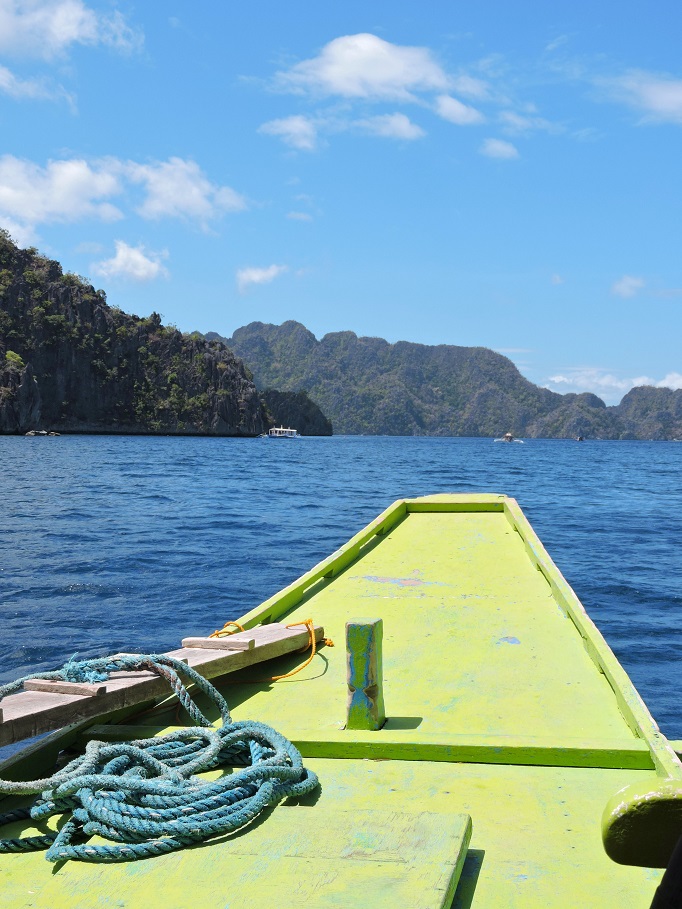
x=68 y=361
x=368 y=386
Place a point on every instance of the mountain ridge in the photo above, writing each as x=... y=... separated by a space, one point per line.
x=370 y=386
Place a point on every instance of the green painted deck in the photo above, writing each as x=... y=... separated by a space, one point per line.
x=503 y=704
x=470 y=644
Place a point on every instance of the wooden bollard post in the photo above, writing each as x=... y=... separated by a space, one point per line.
x=365 y=708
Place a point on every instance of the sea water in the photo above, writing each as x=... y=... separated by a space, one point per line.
x=120 y=543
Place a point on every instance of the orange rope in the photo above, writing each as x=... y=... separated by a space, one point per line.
x=223 y=632
x=312 y=643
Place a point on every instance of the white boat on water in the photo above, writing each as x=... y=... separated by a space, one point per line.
x=508 y=437
x=281 y=433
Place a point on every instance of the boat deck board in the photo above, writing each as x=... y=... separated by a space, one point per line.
x=474 y=642
x=317 y=857
x=535 y=843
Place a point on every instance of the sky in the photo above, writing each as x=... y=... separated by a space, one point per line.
x=495 y=174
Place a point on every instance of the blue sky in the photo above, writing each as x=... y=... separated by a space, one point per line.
x=496 y=174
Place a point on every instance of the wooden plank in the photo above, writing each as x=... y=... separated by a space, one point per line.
x=387 y=746
x=229 y=642
x=462 y=749
x=31 y=713
x=58 y=687
x=297 y=858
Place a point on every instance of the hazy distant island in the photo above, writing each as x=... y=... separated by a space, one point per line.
x=69 y=362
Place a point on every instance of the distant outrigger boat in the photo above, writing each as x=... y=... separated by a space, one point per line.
x=279 y=432
x=508 y=437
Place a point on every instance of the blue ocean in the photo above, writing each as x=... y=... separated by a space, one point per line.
x=126 y=543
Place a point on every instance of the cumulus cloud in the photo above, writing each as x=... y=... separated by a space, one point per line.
x=246 y=277
x=179 y=189
x=132 y=262
x=75 y=189
x=455 y=111
x=658 y=97
x=627 y=286
x=48 y=28
x=672 y=380
x=364 y=69
x=296 y=131
x=365 y=66
x=390 y=126
x=498 y=148
x=62 y=191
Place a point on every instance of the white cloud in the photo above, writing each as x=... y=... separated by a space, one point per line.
x=470 y=87
x=520 y=123
x=132 y=262
x=297 y=131
x=659 y=97
x=22 y=234
x=627 y=286
x=672 y=380
x=61 y=191
x=557 y=42
x=34 y=89
x=597 y=380
x=451 y=109
x=606 y=384
x=178 y=188
x=74 y=189
x=498 y=148
x=47 y=28
x=299 y=216
x=365 y=66
x=557 y=279
x=250 y=275
x=390 y=126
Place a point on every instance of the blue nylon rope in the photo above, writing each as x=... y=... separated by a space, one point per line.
x=143 y=796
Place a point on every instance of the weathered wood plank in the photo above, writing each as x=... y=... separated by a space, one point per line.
x=229 y=642
x=55 y=686
x=31 y=713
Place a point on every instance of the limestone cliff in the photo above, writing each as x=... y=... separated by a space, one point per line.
x=70 y=362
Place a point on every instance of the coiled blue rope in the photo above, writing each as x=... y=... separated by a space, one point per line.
x=144 y=796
